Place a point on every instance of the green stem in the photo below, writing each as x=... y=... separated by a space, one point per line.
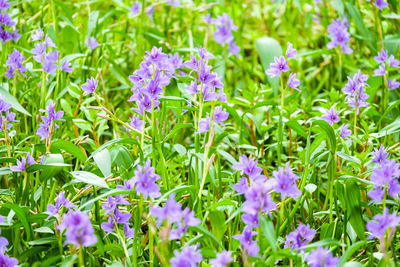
x=280 y=125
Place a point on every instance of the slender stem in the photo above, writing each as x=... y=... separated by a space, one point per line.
x=280 y=126
x=81 y=261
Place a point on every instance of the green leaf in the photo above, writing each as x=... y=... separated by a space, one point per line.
x=89 y=178
x=349 y=158
x=70 y=148
x=93 y=17
x=204 y=231
x=7 y=97
x=103 y=161
x=267 y=49
x=349 y=252
x=297 y=128
x=176 y=128
x=354 y=208
x=21 y=216
x=268 y=231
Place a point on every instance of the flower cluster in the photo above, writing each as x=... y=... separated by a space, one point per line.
x=155 y=72
x=386 y=62
x=385 y=176
x=299 y=237
x=222 y=259
x=321 y=257
x=117 y=216
x=5 y=260
x=6 y=116
x=188 y=257
x=49 y=59
x=381 y=4
x=61 y=201
x=381 y=224
x=6 y=24
x=79 y=230
x=284 y=182
x=354 y=90
x=24 y=163
x=173 y=214
x=223 y=35
x=339 y=36
x=144 y=181
x=14 y=62
x=48 y=125
x=256 y=189
x=281 y=65
x=331 y=116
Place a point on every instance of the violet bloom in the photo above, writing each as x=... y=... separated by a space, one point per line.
x=121 y=217
x=66 y=66
x=49 y=121
x=187 y=219
x=14 y=61
x=250 y=220
x=90 y=86
x=345 y=132
x=222 y=259
x=135 y=9
x=204 y=125
x=382 y=56
x=171 y=211
x=37 y=35
x=381 y=4
x=380 y=156
x=39 y=52
x=354 y=90
x=3 y=6
x=380 y=71
x=394 y=63
x=7 y=116
x=285 y=183
x=385 y=173
x=23 y=164
x=220 y=116
x=290 y=51
x=209 y=94
x=249 y=167
x=280 y=65
x=108 y=226
x=109 y=206
x=393 y=84
x=242 y=186
x=293 y=82
x=60 y=201
x=6 y=260
x=258 y=198
x=321 y=257
x=223 y=35
x=339 y=36
x=145 y=181
x=92 y=43
x=381 y=223
x=331 y=116
x=136 y=122
x=246 y=241
x=79 y=230
x=188 y=257
x=299 y=237
x=193 y=88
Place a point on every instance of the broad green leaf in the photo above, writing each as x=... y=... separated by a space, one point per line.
x=21 y=216
x=89 y=178
x=7 y=97
x=103 y=161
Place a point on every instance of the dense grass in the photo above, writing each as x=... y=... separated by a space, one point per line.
x=226 y=144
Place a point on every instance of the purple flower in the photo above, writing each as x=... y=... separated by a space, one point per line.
x=250 y=220
x=354 y=90
x=48 y=65
x=79 y=229
x=14 y=61
x=246 y=241
x=223 y=35
x=290 y=52
x=242 y=186
x=25 y=162
x=171 y=211
x=385 y=173
x=299 y=237
x=321 y=257
x=108 y=226
x=90 y=86
x=37 y=35
x=48 y=42
x=339 y=36
x=92 y=43
x=145 y=181
x=249 y=167
x=394 y=63
x=280 y=65
x=233 y=48
x=6 y=260
x=109 y=206
x=376 y=194
x=220 y=116
x=209 y=94
x=331 y=116
x=285 y=183
x=380 y=71
x=135 y=9
x=149 y=11
x=136 y=122
x=382 y=56
x=60 y=201
x=393 y=84
x=381 y=4
x=193 y=88
x=39 y=52
x=6 y=20
x=345 y=132
x=3 y=6
x=204 y=125
x=48 y=121
x=258 y=198
x=188 y=257
x=66 y=66
x=381 y=223
x=222 y=259
x=293 y=82
x=128 y=232
x=380 y=156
